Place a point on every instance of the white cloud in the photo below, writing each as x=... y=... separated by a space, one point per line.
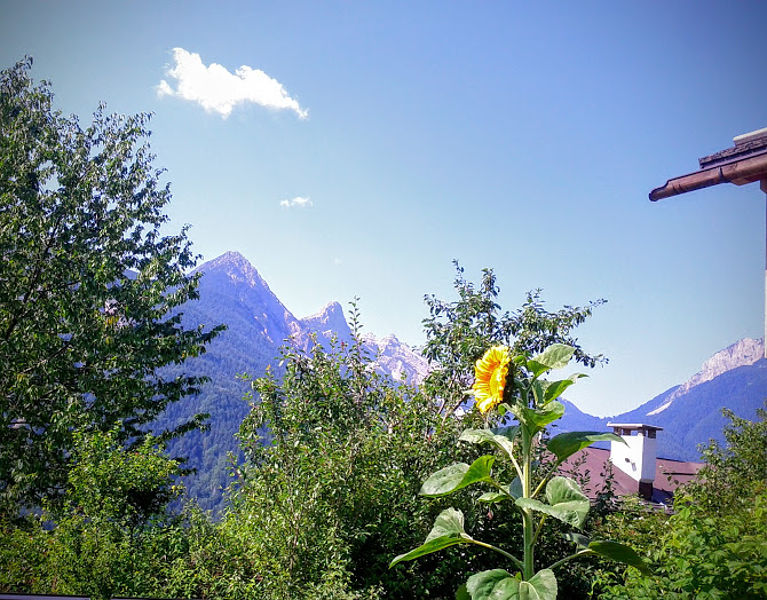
x=217 y=90
x=337 y=261
x=300 y=201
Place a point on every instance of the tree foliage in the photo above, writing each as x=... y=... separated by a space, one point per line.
x=322 y=503
x=108 y=534
x=89 y=286
x=459 y=331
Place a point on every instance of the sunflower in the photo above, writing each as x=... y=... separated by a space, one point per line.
x=490 y=378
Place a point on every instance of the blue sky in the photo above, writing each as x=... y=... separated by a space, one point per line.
x=522 y=138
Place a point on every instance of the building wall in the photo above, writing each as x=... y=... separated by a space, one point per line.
x=637 y=458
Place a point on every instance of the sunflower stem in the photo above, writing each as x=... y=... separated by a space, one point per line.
x=520 y=474
x=527 y=517
x=511 y=557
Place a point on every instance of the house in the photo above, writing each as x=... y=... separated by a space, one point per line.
x=636 y=468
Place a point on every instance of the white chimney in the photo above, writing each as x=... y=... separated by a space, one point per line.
x=637 y=456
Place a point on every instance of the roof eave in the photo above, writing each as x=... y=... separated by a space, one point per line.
x=738 y=172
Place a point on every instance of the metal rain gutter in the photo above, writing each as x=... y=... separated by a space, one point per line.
x=738 y=172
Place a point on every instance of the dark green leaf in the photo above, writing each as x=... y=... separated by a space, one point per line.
x=457 y=476
x=515 y=488
x=567 y=444
x=580 y=539
x=619 y=553
x=555 y=389
x=447 y=531
x=434 y=545
x=462 y=593
x=566 y=502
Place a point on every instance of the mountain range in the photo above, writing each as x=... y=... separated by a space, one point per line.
x=258 y=325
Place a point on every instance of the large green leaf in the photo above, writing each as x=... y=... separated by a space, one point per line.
x=555 y=356
x=566 y=502
x=565 y=514
x=498 y=584
x=541 y=586
x=554 y=389
x=619 y=553
x=447 y=531
x=564 y=489
x=457 y=476
x=567 y=444
x=535 y=419
x=502 y=438
x=448 y=522
x=548 y=413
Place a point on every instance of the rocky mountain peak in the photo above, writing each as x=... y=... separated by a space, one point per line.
x=329 y=319
x=229 y=259
x=236 y=267
x=332 y=310
x=742 y=353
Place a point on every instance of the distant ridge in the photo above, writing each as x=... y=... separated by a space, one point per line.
x=691 y=413
x=742 y=353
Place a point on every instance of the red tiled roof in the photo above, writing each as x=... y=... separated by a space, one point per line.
x=669 y=474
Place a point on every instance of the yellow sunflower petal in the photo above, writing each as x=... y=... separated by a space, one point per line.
x=490 y=373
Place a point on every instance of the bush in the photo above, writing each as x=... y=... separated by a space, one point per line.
x=715 y=544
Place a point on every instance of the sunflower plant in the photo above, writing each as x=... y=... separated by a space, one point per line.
x=514 y=386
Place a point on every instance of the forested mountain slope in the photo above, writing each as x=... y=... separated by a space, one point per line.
x=258 y=324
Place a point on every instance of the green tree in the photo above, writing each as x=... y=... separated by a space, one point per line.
x=89 y=286
x=459 y=331
x=714 y=546
x=323 y=502
x=108 y=533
